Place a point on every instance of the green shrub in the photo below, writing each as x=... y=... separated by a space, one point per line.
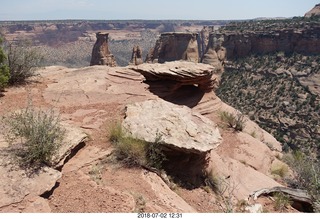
x=282 y=201
x=4 y=70
x=135 y=152
x=213 y=181
x=131 y=151
x=116 y=133
x=253 y=134
x=140 y=203
x=237 y=122
x=39 y=134
x=154 y=154
x=280 y=170
x=23 y=60
x=307 y=174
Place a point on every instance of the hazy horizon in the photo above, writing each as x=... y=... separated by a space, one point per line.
x=18 y=10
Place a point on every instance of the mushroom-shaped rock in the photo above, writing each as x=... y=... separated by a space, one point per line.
x=180 y=72
x=100 y=52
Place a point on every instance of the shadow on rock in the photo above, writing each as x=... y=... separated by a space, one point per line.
x=187 y=95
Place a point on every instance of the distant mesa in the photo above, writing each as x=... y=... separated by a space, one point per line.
x=174 y=46
x=101 y=54
x=314 y=11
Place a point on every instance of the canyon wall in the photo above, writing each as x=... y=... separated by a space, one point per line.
x=240 y=44
x=175 y=46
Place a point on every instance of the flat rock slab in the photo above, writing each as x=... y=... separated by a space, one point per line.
x=17 y=183
x=186 y=73
x=178 y=126
x=73 y=138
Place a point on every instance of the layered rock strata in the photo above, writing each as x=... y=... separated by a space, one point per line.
x=179 y=73
x=238 y=45
x=215 y=53
x=174 y=46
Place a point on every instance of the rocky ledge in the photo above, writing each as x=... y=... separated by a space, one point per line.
x=180 y=72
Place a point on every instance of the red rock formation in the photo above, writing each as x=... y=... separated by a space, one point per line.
x=100 y=52
x=215 y=53
x=314 y=11
x=136 y=57
x=179 y=73
x=304 y=41
x=175 y=46
x=203 y=39
x=149 y=57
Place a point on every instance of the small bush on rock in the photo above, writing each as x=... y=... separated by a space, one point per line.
x=38 y=134
x=307 y=174
x=280 y=170
x=282 y=201
x=237 y=122
x=23 y=60
x=135 y=152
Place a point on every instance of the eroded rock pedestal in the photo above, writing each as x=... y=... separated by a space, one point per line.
x=136 y=57
x=100 y=52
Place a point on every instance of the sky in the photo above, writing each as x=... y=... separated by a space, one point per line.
x=151 y=9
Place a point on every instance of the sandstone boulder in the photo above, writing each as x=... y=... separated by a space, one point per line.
x=100 y=52
x=179 y=127
x=179 y=72
x=174 y=46
x=186 y=137
x=136 y=57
